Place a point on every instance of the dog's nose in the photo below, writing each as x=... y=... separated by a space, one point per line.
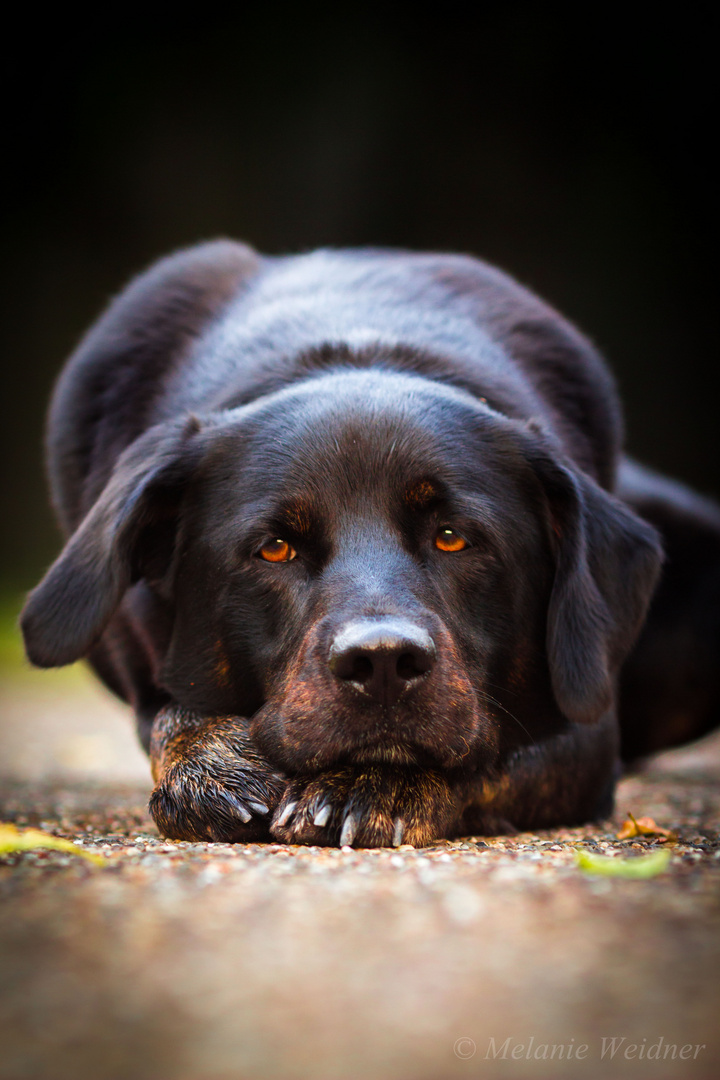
x=382 y=657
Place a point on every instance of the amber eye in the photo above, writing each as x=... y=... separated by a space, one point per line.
x=277 y=551
x=449 y=540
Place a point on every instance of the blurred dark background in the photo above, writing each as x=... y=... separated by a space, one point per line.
x=571 y=149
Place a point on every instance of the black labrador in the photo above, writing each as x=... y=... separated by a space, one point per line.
x=352 y=534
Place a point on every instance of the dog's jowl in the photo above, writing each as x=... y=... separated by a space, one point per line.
x=353 y=534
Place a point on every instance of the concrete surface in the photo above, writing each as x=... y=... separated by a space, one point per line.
x=480 y=958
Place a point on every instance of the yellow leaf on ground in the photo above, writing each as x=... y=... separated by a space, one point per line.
x=13 y=839
x=644 y=826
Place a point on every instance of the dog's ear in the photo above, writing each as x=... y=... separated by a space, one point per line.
x=128 y=534
x=607 y=565
x=104 y=394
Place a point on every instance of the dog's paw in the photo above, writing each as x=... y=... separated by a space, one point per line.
x=214 y=785
x=372 y=806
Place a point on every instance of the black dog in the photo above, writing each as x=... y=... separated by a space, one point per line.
x=342 y=529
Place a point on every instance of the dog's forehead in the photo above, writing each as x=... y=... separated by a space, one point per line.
x=348 y=431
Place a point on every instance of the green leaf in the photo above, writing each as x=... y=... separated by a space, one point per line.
x=13 y=839
x=640 y=866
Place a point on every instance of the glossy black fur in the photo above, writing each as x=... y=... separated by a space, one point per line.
x=352 y=404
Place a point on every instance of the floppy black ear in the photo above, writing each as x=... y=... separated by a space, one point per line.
x=608 y=563
x=126 y=535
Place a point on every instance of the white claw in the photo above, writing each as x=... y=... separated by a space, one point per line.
x=348 y=831
x=240 y=809
x=286 y=814
x=322 y=816
x=398 y=832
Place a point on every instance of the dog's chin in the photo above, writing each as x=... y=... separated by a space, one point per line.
x=387 y=754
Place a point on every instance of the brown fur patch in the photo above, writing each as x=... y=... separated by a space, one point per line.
x=299 y=517
x=222 y=665
x=421 y=494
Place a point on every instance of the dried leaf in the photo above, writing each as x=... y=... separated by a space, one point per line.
x=13 y=839
x=644 y=826
x=640 y=866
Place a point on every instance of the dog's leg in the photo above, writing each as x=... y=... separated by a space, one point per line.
x=567 y=779
x=211 y=781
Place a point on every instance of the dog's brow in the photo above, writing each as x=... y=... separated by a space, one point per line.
x=420 y=494
x=298 y=515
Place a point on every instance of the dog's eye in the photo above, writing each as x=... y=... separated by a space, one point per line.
x=277 y=550
x=448 y=540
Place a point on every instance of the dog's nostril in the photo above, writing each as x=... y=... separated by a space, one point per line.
x=410 y=666
x=361 y=669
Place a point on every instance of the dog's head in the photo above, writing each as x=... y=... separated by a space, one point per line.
x=373 y=565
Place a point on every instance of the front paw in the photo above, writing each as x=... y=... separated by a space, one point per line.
x=369 y=806
x=214 y=785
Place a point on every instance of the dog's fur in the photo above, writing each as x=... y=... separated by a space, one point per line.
x=375 y=689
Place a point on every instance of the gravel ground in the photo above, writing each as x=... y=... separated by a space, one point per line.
x=481 y=957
